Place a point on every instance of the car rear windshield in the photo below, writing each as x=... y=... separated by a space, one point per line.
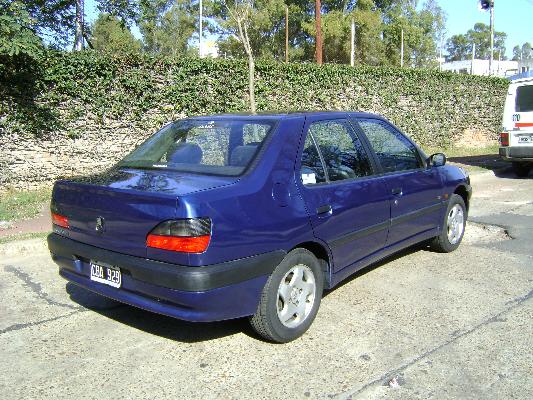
x=218 y=147
x=524 y=98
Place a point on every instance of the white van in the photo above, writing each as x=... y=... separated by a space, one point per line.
x=516 y=139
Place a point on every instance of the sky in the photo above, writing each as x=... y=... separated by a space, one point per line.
x=514 y=17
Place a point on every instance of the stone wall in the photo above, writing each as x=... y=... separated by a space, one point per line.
x=79 y=113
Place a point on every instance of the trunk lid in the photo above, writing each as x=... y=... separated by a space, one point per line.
x=126 y=203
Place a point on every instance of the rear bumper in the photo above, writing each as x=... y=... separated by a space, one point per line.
x=208 y=293
x=521 y=153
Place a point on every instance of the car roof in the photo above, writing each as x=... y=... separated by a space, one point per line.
x=290 y=115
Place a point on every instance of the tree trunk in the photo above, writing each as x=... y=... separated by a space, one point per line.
x=318 y=41
x=251 y=82
x=78 y=38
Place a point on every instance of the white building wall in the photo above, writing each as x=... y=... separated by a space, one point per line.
x=481 y=67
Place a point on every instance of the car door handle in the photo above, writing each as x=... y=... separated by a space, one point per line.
x=323 y=209
x=396 y=191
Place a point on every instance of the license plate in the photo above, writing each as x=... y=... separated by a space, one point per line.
x=106 y=274
x=525 y=139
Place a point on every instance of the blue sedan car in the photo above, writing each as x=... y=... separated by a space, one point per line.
x=232 y=216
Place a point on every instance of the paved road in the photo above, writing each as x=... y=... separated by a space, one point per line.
x=439 y=326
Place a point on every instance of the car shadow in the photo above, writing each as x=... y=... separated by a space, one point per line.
x=191 y=332
x=489 y=162
x=157 y=324
x=400 y=254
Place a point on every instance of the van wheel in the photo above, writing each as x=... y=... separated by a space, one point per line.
x=290 y=299
x=521 y=170
x=453 y=226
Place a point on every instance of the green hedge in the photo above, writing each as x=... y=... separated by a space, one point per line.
x=49 y=96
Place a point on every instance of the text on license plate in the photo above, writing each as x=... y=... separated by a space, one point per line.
x=106 y=274
x=525 y=139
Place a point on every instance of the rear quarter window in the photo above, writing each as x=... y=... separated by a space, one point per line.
x=524 y=99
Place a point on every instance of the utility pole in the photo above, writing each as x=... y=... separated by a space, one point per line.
x=491 y=36
x=489 y=5
x=318 y=43
x=286 y=34
x=473 y=58
x=352 y=48
x=401 y=52
x=200 y=31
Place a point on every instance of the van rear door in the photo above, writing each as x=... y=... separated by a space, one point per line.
x=518 y=114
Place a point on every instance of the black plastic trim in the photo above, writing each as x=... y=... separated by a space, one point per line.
x=345 y=239
x=172 y=276
x=415 y=214
x=360 y=233
x=524 y=152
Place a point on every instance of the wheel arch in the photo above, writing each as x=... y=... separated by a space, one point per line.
x=323 y=254
x=463 y=192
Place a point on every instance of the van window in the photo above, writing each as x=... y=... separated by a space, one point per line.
x=524 y=99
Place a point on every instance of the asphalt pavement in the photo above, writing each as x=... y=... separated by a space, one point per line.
x=419 y=325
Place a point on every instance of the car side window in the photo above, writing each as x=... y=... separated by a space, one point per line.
x=312 y=170
x=343 y=157
x=395 y=152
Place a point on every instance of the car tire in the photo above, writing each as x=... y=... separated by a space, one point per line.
x=453 y=226
x=521 y=170
x=291 y=298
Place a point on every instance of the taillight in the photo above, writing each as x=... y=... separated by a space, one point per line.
x=504 y=138
x=60 y=220
x=191 y=235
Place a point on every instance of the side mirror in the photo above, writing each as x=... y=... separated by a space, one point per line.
x=437 y=160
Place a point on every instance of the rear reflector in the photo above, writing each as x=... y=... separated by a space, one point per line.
x=191 y=235
x=183 y=244
x=504 y=138
x=60 y=220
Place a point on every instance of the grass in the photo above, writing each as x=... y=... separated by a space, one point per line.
x=471 y=158
x=23 y=236
x=18 y=205
x=463 y=151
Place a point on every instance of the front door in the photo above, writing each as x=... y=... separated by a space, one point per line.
x=348 y=205
x=415 y=191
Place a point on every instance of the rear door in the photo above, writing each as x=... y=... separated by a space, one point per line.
x=414 y=190
x=518 y=114
x=348 y=205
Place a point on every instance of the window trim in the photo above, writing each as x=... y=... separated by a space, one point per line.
x=393 y=129
x=353 y=136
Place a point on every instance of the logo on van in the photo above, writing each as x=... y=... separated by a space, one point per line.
x=516 y=117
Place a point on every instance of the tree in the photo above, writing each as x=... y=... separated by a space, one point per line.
x=240 y=12
x=126 y=11
x=517 y=53
x=80 y=29
x=267 y=38
x=168 y=25
x=336 y=27
x=53 y=19
x=423 y=30
x=459 y=47
x=318 y=32
x=109 y=34
x=526 y=51
x=17 y=31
